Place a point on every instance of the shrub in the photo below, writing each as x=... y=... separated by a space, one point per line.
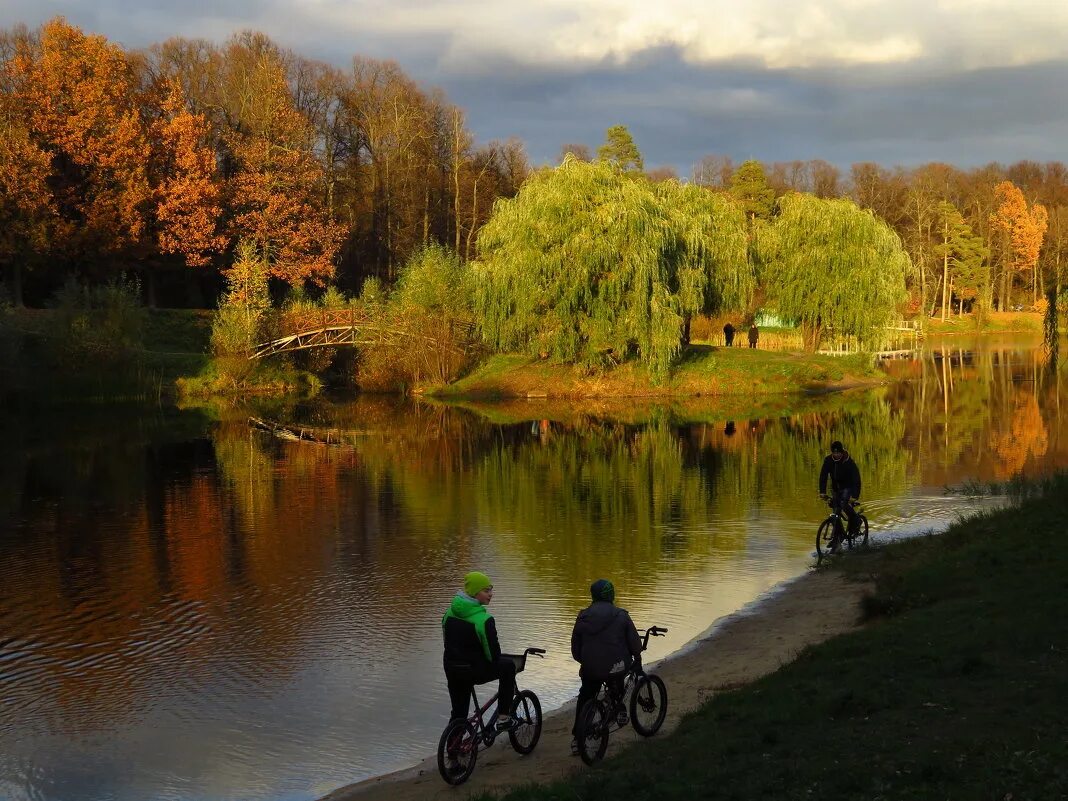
x=102 y=324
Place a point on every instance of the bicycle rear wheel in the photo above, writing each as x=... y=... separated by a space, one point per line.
x=861 y=537
x=592 y=733
x=457 y=752
x=648 y=705
x=526 y=713
x=825 y=536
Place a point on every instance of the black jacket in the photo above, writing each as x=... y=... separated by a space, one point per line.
x=604 y=639
x=470 y=634
x=844 y=474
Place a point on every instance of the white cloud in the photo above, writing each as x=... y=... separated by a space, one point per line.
x=773 y=33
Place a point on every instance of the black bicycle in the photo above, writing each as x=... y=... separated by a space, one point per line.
x=640 y=698
x=834 y=530
x=460 y=742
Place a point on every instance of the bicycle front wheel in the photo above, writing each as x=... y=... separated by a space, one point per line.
x=648 y=705
x=825 y=537
x=526 y=712
x=592 y=733
x=457 y=752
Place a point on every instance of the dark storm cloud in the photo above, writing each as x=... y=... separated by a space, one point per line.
x=677 y=110
x=680 y=112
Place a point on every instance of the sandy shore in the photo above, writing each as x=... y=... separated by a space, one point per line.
x=736 y=650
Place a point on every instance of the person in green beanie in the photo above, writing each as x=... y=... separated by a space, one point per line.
x=472 y=651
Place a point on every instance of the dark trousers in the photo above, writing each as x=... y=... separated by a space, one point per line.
x=462 y=679
x=846 y=507
x=588 y=691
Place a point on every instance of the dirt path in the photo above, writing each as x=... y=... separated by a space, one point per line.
x=741 y=648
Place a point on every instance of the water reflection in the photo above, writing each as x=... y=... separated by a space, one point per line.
x=191 y=608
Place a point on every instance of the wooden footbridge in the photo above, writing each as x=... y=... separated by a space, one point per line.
x=355 y=328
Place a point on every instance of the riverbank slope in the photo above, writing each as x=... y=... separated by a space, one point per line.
x=703 y=370
x=957 y=687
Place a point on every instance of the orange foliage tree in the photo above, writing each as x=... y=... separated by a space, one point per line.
x=276 y=187
x=127 y=169
x=1022 y=228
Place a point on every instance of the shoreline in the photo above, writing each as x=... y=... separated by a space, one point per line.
x=736 y=649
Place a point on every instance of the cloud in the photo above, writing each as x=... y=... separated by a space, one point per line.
x=895 y=81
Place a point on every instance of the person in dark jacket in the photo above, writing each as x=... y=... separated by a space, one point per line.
x=605 y=643
x=845 y=482
x=754 y=335
x=728 y=334
x=472 y=650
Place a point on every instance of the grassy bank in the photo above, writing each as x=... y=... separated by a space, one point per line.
x=992 y=323
x=702 y=371
x=44 y=361
x=957 y=688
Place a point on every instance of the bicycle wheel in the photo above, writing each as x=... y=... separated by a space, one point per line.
x=825 y=536
x=592 y=733
x=861 y=537
x=648 y=705
x=457 y=752
x=526 y=712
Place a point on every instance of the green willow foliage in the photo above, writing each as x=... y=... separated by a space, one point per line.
x=592 y=267
x=831 y=265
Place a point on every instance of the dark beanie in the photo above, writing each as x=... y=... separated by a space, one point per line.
x=602 y=590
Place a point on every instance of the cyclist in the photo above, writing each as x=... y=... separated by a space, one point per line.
x=845 y=483
x=606 y=644
x=472 y=651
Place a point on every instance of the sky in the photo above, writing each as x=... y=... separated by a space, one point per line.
x=898 y=82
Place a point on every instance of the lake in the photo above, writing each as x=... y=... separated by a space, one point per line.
x=192 y=607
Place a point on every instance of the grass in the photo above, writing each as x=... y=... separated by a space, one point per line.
x=957 y=688
x=703 y=371
x=995 y=322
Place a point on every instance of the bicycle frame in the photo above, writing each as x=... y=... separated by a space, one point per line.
x=485 y=730
x=630 y=676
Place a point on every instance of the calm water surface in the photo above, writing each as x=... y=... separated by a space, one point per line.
x=191 y=608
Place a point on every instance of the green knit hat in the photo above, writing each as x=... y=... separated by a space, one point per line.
x=475 y=582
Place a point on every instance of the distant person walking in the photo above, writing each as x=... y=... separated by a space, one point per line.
x=754 y=335
x=728 y=334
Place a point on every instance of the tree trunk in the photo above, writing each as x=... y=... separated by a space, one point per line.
x=945 y=282
x=150 y=287
x=16 y=283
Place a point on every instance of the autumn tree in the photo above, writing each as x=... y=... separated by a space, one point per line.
x=832 y=266
x=275 y=188
x=620 y=151
x=590 y=266
x=576 y=150
x=123 y=169
x=1022 y=227
x=713 y=172
x=28 y=215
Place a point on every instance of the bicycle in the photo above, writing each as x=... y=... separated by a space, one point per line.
x=462 y=739
x=832 y=532
x=607 y=712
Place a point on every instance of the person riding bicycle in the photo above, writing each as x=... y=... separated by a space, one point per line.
x=845 y=483
x=606 y=644
x=472 y=651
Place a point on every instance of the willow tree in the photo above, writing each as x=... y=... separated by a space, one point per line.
x=591 y=266
x=833 y=266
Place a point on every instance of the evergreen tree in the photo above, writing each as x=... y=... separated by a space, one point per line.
x=964 y=258
x=620 y=151
x=750 y=187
